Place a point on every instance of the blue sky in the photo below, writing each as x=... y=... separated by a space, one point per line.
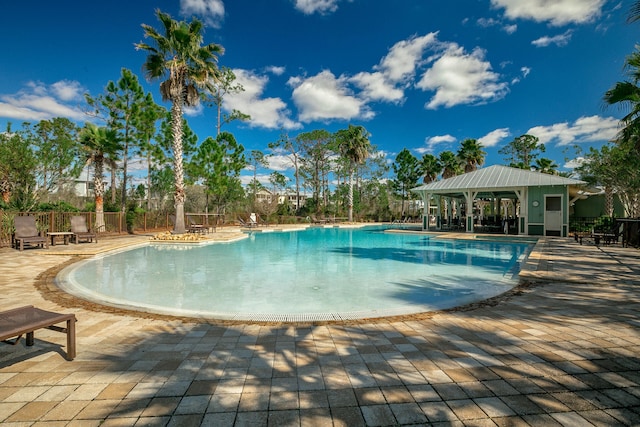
x=417 y=74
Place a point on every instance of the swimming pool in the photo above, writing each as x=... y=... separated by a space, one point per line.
x=315 y=274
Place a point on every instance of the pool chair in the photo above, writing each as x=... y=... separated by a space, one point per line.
x=256 y=221
x=247 y=224
x=81 y=231
x=317 y=220
x=195 y=227
x=27 y=232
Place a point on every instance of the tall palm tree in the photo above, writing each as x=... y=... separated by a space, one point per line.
x=98 y=144
x=189 y=66
x=451 y=164
x=354 y=146
x=627 y=95
x=430 y=167
x=471 y=154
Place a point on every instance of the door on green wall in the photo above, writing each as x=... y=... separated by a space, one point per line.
x=553 y=216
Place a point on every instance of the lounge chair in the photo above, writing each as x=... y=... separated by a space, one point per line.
x=317 y=220
x=25 y=320
x=247 y=224
x=27 y=232
x=81 y=231
x=194 y=227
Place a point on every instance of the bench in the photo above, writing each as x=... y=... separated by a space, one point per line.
x=25 y=320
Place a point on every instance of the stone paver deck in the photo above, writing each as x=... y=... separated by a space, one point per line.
x=563 y=350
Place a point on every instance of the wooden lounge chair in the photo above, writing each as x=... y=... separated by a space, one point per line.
x=194 y=227
x=27 y=232
x=81 y=231
x=25 y=320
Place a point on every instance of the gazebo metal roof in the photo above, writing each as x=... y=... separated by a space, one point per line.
x=494 y=179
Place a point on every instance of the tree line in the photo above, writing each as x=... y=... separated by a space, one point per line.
x=341 y=172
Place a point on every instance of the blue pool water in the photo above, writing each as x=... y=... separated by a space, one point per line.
x=316 y=274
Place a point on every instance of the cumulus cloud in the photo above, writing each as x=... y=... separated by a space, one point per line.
x=270 y=113
x=395 y=70
x=401 y=61
x=377 y=87
x=559 y=40
x=494 y=137
x=510 y=29
x=309 y=7
x=556 y=12
x=326 y=97
x=433 y=141
x=574 y=163
x=459 y=77
x=276 y=70
x=585 y=129
x=210 y=11
x=38 y=101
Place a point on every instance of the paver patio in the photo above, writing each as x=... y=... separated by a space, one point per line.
x=561 y=350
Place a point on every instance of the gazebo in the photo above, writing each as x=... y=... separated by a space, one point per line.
x=502 y=198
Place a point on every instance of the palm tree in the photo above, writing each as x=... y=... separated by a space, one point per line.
x=627 y=95
x=634 y=12
x=98 y=143
x=189 y=67
x=354 y=146
x=430 y=167
x=545 y=165
x=471 y=154
x=451 y=165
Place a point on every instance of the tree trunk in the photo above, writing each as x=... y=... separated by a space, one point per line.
x=179 y=196
x=98 y=188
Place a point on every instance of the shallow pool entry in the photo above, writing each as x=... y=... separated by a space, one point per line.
x=316 y=274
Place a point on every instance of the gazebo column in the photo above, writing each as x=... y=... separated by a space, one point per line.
x=469 y=197
x=522 y=194
x=438 y=212
x=425 y=212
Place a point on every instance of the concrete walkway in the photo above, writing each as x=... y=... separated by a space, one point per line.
x=563 y=349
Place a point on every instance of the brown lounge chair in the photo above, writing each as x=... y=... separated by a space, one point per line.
x=25 y=320
x=81 y=231
x=27 y=232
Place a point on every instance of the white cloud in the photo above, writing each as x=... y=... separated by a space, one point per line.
x=38 y=101
x=585 y=129
x=398 y=67
x=401 y=61
x=559 y=40
x=67 y=90
x=574 y=163
x=210 y=11
x=494 y=137
x=309 y=7
x=376 y=87
x=433 y=141
x=459 y=77
x=270 y=113
x=276 y=70
x=325 y=97
x=510 y=29
x=279 y=161
x=487 y=22
x=557 y=12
